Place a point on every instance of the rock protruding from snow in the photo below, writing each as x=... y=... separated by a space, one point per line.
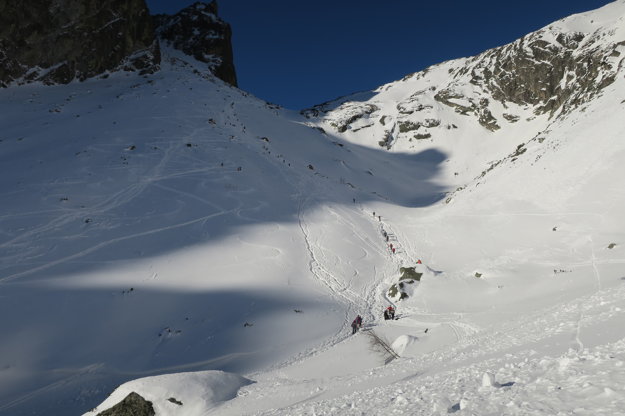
x=133 y=404
x=199 y=32
x=196 y=393
x=550 y=69
x=408 y=281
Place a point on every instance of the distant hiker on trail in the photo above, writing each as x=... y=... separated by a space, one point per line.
x=419 y=261
x=357 y=324
x=393 y=250
x=389 y=313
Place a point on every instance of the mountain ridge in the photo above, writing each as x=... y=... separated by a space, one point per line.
x=558 y=67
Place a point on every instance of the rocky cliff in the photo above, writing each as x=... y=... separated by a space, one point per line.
x=199 y=32
x=57 y=41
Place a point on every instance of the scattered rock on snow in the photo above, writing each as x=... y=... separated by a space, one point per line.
x=409 y=273
x=174 y=401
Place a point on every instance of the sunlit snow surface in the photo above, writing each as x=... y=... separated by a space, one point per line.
x=156 y=229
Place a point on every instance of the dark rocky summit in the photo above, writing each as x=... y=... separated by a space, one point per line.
x=132 y=405
x=57 y=41
x=199 y=32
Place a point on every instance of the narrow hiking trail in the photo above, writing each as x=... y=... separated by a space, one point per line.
x=350 y=258
x=289 y=384
x=361 y=289
x=406 y=255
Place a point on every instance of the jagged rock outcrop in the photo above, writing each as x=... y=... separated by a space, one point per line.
x=563 y=72
x=199 y=32
x=132 y=405
x=57 y=41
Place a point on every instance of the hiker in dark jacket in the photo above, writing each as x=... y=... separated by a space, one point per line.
x=357 y=324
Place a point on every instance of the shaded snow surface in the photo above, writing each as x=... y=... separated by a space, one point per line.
x=197 y=393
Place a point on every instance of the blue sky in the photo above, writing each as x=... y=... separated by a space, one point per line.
x=301 y=53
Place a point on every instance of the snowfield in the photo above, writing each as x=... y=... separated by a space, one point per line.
x=171 y=391
x=173 y=236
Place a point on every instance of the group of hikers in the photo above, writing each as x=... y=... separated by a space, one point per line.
x=387 y=238
x=389 y=314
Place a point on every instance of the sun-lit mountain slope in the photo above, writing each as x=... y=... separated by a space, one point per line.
x=479 y=109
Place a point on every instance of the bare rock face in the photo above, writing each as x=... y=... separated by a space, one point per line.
x=132 y=405
x=199 y=32
x=57 y=41
x=547 y=75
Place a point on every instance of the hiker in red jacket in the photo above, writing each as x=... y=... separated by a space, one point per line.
x=389 y=313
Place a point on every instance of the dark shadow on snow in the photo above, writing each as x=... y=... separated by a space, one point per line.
x=107 y=337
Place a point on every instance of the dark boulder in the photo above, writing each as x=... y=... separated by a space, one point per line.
x=132 y=405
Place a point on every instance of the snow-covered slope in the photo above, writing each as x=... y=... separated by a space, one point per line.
x=171 y=222
x=479 y=109
x=174 y=224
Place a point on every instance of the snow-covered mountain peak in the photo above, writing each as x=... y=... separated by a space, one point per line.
x=551 y=71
